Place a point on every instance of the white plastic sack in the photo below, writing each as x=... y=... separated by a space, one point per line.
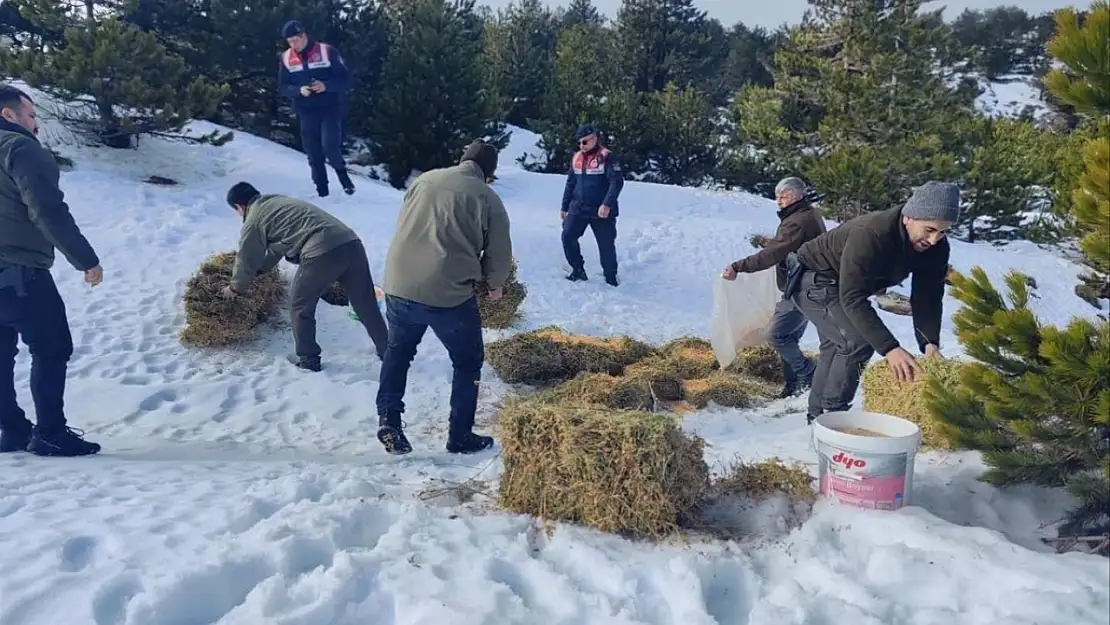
x=742 y=312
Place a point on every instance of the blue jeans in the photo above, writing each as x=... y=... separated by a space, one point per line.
x=460 y=331
x=32 y=309
x=787 y=328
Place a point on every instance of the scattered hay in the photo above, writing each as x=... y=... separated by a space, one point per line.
x=549 y=355
x=860 y=432
x=506 y=311
x=760 y=361
x=690 y=357
x=213 y=321
x=883 y=393
x=725 y=389
x=630 y=472
x=894 y=303
x=626 y=392
x=762 y=479
x=336 y=296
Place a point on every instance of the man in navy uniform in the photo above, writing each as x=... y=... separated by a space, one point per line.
x=590 y=200
x=314 y=77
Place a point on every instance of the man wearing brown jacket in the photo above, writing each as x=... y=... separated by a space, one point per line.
x=833 y=276
x=326 y=251
x=452 y=232
x=799 y=222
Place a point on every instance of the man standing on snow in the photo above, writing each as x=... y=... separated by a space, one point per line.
x=34 y=221
x=833 y=276
x=594 y=183
x=452 y=232
x=314 y=77
x=325 y=249
x=799 y=222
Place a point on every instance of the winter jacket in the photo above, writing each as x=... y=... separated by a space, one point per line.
x=34 y=217
x=452 y=232
x=873 y=252
x=318 y=61
x=594 y=179
x=278 y=226
x=798 y=223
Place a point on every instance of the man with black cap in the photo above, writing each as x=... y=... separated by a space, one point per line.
x=832 y=277
x=452 y=232
x=314 y=77
x=325 y=251
x=594 y=183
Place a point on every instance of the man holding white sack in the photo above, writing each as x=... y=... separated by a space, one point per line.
x=832 y=277
x=799 y=222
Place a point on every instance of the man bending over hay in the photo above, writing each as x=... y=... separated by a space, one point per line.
x=325 y=249
x=452 y=232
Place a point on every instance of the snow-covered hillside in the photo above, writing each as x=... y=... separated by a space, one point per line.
x=234 y=489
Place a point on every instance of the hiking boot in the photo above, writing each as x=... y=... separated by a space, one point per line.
x=392 y=435
x=322 y=191
x=65 y=442
x=15 y=439
x=345 y=181
x=612 y=281
x=308 y=364
x=578 y=275
x=469 y=443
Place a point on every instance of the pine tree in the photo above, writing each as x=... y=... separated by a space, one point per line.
x=580 y=12
x=135 y=84
x=1036 y=403
x=587 y=73
x=861 y=79
x=432 y=103
x=1085 y=85
x=519 y=59
x=665 y=41
x=685 y=128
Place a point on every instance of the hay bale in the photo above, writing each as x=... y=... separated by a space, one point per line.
x=336 y=296
x=690 y=357
x=631 y=472
x=506 y=311
x=725 y=389
x=549 y=355
x=212 y=321
x=760 y=480
x=883 y=393
x=760 y=361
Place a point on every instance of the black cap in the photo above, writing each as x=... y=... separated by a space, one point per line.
x=484 y=154
x=291 y=28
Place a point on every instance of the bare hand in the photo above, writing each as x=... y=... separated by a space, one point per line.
x=306 y=91
x=228 y=293
x=95 y=275
x=902 y=364
x=932 y=351
x=729 y=273
x=495 y=294
x=603 y=211
x=562 y=214
x=318 y=86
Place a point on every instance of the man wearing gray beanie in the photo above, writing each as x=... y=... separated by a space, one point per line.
x=833 y=276
x=799 y=222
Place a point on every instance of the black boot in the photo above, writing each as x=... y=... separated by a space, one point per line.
x=468 y=443
x=578 y=275
x=15 y=438
x=612 y=280
x=345 y=180
x=392 y=436
x=64 y=442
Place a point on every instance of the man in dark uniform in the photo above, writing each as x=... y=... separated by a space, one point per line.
x=314 y=77
x=34 y=221
x=590 y=201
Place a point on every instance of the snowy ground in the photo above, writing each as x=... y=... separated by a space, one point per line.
x=235 y=489
x=1010 y=96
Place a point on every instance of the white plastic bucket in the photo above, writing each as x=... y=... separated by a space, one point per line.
x=874 y=472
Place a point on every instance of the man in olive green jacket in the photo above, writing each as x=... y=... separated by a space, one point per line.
x=325 y=249
x=452 y=232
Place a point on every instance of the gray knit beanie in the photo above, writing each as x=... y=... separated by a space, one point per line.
x=794 y=184
x=935 y=201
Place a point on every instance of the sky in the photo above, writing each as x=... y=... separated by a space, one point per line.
x=771 y=14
